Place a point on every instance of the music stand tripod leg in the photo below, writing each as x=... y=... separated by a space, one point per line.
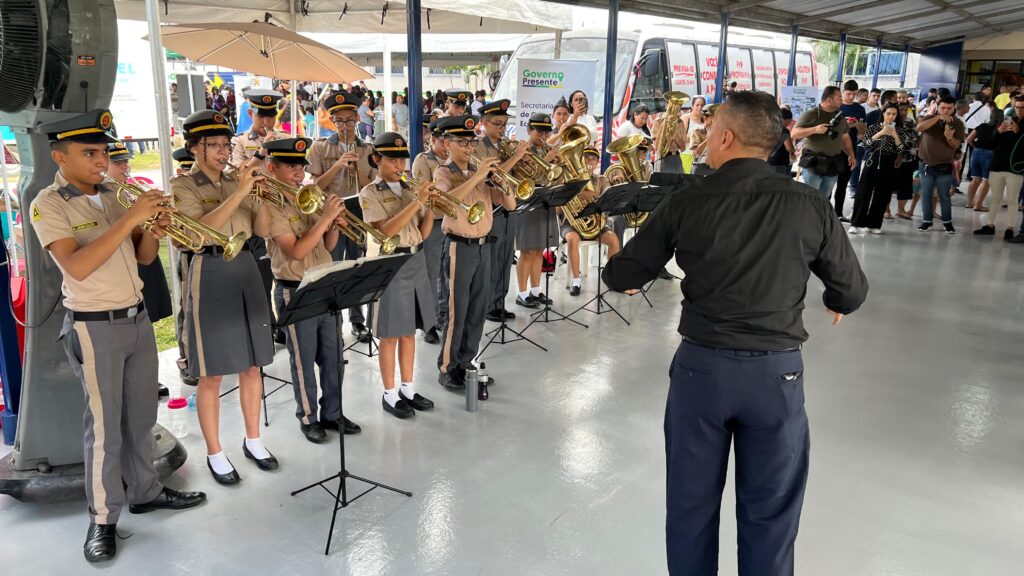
x=600 y=293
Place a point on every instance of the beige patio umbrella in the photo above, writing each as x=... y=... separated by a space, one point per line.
x=261 y=48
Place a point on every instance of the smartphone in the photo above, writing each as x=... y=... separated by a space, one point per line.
x=890 y=124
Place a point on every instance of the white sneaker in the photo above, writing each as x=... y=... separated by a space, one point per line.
x=876 y=231
x=855 y=230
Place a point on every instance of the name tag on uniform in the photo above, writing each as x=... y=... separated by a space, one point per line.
x=294 y=218
x=210 y=201
x=252 y=147
x=387 y=199
x=84 y=226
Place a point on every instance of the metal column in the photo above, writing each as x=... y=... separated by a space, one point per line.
x=414 y=65
x=903 y=66
x=791 y=73
x=842 y=59
x=609 y=81
x=160 y=88
x=878 y=63
x=723 y=55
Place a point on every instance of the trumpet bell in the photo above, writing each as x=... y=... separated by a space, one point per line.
x=475 y=213
x=525 y=190
x=233 y=247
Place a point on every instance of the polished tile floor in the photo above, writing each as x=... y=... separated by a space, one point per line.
x=916 y=406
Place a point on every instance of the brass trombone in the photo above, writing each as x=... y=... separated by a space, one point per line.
x=447 y=203
x=310 y=199
x=185 y=230
x=509 y=184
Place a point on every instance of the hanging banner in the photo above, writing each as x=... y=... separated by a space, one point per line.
x=540 y=84
x=800 y=98
x=132 y=104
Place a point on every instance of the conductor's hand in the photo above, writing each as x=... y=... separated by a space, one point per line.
x=148 y=205
x=836 y=317
x=333 y=208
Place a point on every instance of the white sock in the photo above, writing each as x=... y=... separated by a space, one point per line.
x=576 y=281
x=535 y=291
x=524 y=295
x=407 y=390
x=391 y=397
x=219 y=463
x=255 y=446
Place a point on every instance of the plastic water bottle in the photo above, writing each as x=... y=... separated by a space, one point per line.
x=472 y=385
x=177 y=417
x=485 y=381
x=192 y=402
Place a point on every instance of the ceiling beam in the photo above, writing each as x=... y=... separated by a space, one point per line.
x=846 y=10
x=737 y=6
x=965 y=14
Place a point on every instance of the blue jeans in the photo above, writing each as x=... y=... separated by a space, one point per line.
x=855 y=175
x=929 y=182
x=824 y=184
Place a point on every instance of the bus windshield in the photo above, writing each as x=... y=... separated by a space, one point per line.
x=575 y=49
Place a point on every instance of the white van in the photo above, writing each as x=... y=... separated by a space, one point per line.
x=663 y=58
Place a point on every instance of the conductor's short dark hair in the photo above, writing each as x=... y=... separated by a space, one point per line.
x=754 y=117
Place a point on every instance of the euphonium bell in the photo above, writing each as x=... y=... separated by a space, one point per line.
x=574 y=139
x=629 y=170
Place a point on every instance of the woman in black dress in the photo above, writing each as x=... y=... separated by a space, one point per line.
x=885 y=141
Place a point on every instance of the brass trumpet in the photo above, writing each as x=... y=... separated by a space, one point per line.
x=185 y=230
x=447 y=203
x=310 y=200
x=509 y=184
x=269 y=192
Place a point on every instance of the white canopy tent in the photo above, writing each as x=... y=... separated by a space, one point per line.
x=437 y=50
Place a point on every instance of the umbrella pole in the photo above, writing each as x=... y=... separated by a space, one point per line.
x=388 y=87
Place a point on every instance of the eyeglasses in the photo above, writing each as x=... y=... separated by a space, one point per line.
x=498 y=124
x=340 y=121
x=461 y=142
x=218 y=147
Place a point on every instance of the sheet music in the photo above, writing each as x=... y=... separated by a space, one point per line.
x=317 y=272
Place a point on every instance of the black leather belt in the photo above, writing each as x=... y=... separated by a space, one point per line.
x=129 y=312
x=408 y=249
x=472 y=241
x=670 y=154
x=741 y=352
x=218 y=251
x=290 y=284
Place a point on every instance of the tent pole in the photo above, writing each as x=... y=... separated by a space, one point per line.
x=723 y=56
x=415 y=67
x=388 y=85
x=609 y=81
x=842 y=58
x=558 y=44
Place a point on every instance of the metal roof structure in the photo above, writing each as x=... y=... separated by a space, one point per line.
x=917 y=23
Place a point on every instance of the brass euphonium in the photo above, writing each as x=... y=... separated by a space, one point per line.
x=447 y=203
x=532 y=166
x=509 y=184
x=574 y=139
x=185 y=230
x=630 y=169
x=310 y=200
x=673 y=104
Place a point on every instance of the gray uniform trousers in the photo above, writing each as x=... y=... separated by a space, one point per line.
x=467 y=274
x=181 y=274
x=432 y=248
x=117 y=364
x=671 y=164
x=502 y=252
x=349 y=250
x=312 y=344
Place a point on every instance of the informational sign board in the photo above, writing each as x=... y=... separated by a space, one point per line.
x=133 y=103
x=542 y=83
x=800 y=98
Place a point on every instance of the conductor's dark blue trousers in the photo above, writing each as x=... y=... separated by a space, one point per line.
x=753 y=399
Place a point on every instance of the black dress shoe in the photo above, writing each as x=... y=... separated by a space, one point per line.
x=162 y=392
x=400 y=410
x=183 y=372
x=313 y=432
x=665 y=275
x=1018 y=239
x=451 y=382
x=350 y=426
x=495 y=316
x=418 y=402
x=528 y=302
x=279 y=337
x=431 y=336
x=509 y=315
x=225 y=479
x=543 y=299
x=361 y=333
x=169 y=499
x=481 y=391
x=100 y=542
x=574 y=290
x=268 y=463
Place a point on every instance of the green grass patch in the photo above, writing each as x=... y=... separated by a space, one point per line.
x=164 y=329
x=148 y=160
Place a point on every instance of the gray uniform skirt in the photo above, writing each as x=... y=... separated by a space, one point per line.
x=407 y=302
x=537 y=230
x=227 y=320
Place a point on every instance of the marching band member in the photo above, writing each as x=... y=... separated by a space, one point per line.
x=495 y=120
x=391 y=207
x=107 y=334
x=456 y=101
x=572 y=238
x=679 y=140
x=227 y=320
x=532 y=233
x=340 y=165
x=423 y=168
x=466 y=263
x=181 y=260
x=154 y=284
x=297 y=242
x=184 y=159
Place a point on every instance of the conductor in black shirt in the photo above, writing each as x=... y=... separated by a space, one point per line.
x=747 y=239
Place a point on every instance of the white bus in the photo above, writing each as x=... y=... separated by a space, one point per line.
x=662 y=58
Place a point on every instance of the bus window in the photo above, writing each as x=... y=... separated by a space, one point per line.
x=707 y=63
x=764 y=70
x=683 y=64
x=740 y=70
x=781 y=68
x=804 y=76
x=651 y=81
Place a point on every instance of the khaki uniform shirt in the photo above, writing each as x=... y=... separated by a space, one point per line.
x=485 y=148
x=62 y=211
x=448 y=177
x=324 y=153
x=424 y=165
x=380 y=203
x=541 y=151
x=285 y=221
x=245 y=146
x=196 y=195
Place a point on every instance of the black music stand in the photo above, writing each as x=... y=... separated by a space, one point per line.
x=362 y=284
x=263 y=388
x=373 y=344
x=545 y=199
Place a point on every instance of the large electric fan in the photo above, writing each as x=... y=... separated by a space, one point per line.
x=58 y=58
